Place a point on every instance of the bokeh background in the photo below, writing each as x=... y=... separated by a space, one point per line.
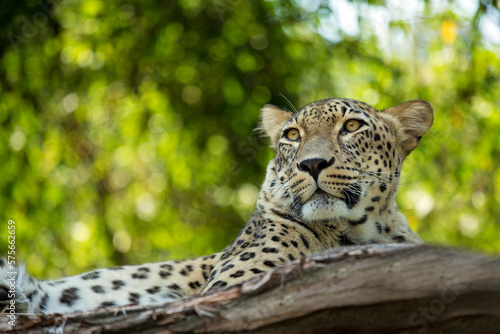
x=127 y=127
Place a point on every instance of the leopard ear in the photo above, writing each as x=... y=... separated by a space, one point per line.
x=273 y=120
x=413 y=120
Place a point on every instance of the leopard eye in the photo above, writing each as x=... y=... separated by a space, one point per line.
x=292 y=134
x=352 y=125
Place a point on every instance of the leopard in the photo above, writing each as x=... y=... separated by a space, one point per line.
x=332 y=182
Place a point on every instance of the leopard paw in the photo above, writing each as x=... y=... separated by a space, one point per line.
x=12 y=296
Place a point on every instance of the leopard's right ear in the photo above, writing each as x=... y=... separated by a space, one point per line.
x=413 y=119
x=273 y=120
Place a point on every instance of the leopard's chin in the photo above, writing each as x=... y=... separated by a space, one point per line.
x=323 y=207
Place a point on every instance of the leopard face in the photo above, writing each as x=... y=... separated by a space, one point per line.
x=332 y=182
x=337 y=162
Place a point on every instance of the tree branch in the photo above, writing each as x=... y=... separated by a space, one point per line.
x=360 y=289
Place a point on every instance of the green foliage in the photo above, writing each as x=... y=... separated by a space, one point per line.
x=127 y=127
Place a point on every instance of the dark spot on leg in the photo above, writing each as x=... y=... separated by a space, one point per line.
x=164 y=274
x=229 y=266
x=174 y=287
x=218 y=284
x=237 y=274
x=247 y=256
x=304 y=241
x=117 y=284
x=116 y=268
x=97 y=289
x=360 y=221
x=270 y=250
x=270 y=264
x=153 y=290
x=134 y=298
x=69 y=296
x=91 y=275
x=194 y=285
x=43 y=302
x=399 y=238
x=139 y=276
x=166 y=266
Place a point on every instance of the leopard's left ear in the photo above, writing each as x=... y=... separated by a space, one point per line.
x=273 y=120
x=413 y=120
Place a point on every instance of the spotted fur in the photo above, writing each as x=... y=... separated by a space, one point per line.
x=332 y=182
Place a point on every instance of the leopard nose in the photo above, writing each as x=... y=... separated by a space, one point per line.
x=315 y=166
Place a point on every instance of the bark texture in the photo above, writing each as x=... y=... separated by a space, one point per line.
x=359 y=289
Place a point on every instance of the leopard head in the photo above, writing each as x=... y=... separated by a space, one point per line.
x=338 y=161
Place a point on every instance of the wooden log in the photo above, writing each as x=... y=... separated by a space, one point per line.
x=358 y=289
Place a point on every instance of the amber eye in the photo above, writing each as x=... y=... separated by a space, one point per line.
x=292 y=134
x=352 y=125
